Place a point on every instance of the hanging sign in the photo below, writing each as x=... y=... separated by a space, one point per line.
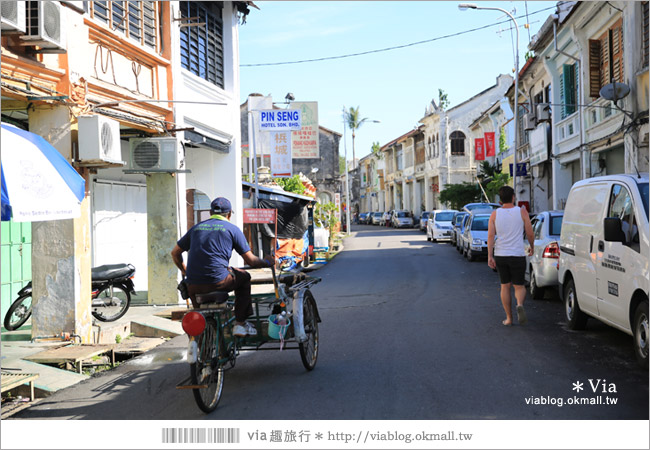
x=259 y=215
x=304 y=142
x=479 y=148
x=280 y=120
x=280 y=155
x=490 y=148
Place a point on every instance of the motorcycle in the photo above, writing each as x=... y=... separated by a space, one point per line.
x=112 y=286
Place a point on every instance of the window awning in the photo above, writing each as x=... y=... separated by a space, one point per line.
x=198 y=140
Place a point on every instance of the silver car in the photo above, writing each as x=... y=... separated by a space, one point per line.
x=423 y=220
x=542 y=265
x=475 y=236
x=402 y=219
x=376 y=218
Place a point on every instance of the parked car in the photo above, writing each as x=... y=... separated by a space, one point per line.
x=364 y=217
x=376 y=218
x=475 y=236
x=460 y=234
x=402 y=219
x=542 y=265
x=604 y=246
x=423 y=220
x=439 y=226
x=472 y=207
x=456 y=222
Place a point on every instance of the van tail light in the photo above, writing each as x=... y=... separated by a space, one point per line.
x=193 y=323
x=552 y=250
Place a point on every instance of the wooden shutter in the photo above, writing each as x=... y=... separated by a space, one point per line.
x=594 y=68
x=568 y=89
x=605 y=77
x=617 y=52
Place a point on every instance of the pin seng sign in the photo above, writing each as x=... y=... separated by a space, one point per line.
x=280 y=120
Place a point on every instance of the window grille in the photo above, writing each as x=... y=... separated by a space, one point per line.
x=457 y=139
x=137 y=20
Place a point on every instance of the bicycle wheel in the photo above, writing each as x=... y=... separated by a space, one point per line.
x=18 y=313
x=207 y=371
x=111 y=303
x=309 y=348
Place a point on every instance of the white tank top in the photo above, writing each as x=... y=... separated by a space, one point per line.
x=510 y=232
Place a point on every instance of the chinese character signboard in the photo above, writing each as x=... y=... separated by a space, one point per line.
x=479 y=147
x=280 y=155
x=337 y=203
x=304 y=142
x=490 y=148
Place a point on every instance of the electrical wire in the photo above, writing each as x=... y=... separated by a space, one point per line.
x=397 y=47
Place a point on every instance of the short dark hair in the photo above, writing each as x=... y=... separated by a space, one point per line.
x=506 y=194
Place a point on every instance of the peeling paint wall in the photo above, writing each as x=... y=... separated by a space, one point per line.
x=162 y=234
x=60 y=250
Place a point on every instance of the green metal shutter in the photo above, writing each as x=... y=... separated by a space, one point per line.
x=16 y=261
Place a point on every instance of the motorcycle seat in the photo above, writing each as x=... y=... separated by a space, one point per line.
x=111 y=271
x=212 y=297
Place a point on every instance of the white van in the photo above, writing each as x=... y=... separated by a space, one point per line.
x=604 y=245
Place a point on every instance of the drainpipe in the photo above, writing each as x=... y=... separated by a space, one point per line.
x=556 y=18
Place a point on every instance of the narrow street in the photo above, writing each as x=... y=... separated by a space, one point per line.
x=410 y=330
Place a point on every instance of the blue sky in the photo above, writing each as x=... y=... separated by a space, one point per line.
x=393 y=86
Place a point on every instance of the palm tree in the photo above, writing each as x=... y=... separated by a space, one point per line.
x=354 y=122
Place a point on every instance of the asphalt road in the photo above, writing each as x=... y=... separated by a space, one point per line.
x=410 y=330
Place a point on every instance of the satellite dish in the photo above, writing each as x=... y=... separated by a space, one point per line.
x=614 y=91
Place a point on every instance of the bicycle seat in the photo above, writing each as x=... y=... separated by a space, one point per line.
x=111 y=271
x=212 y=297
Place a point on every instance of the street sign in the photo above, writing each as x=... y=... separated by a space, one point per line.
x=259 y=215
x=521 y=169
x=280 y=120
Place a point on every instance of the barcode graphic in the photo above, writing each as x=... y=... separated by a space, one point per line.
x=200 y=435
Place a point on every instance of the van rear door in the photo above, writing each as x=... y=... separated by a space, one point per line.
x=583 y=218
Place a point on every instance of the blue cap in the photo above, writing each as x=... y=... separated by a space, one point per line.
x=220 y=205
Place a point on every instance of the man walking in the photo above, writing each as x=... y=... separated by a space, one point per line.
x=508 y=254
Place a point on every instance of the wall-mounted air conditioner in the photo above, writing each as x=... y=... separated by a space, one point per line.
x=529 y=122
x=99 y=140
x=543 y=112
x=45 y=25
x=154 y=154
x=13 y=17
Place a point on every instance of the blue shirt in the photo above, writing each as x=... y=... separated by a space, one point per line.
x=209 y=245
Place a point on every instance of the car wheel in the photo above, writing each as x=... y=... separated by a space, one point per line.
x=576 y=319
x=640 y=328
x=536 y=292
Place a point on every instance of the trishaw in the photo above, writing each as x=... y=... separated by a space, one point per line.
x=213 y=349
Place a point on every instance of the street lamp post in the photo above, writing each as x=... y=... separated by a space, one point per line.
x=347 y=179
x=466 y=6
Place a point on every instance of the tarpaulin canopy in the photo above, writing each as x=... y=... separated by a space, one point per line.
x=293 y=218
x=38 y=183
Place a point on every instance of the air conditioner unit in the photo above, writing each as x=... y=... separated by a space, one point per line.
x=13 y=17
x=45 y=25
x=529 y=122
x=99 y=140
x=154 y=154
x=543 y=112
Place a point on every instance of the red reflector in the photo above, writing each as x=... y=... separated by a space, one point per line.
x=552 y=250
x=193 y=323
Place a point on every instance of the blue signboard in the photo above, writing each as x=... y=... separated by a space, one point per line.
x=522 y=169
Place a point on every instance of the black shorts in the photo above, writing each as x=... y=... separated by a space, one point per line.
x=512 y=269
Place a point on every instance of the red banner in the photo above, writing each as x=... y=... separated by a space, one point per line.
x=489 y=144
x=479 y=148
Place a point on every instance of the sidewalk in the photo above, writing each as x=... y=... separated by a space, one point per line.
x=141 y=329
